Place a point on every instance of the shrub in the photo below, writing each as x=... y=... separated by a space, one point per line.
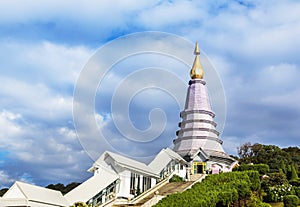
x=79 y=204
x=277 y=179
x=297 y=191
x=261 y=168
x=256 y=202
x=176 y=178
x=290 y=201
x=295 y=182
x=294 y=175
x=215 y=190
x=276 y=193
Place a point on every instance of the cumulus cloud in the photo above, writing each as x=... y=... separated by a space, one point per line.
x=263 y=107
x=38 y=139
x=35 y=154
x=254 y=46
x=43 y=62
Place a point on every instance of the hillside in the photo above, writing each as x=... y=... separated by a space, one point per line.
x=266 y=174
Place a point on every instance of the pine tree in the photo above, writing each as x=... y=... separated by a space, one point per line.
x=289 y=172
x=294 y=175
x=283 y=167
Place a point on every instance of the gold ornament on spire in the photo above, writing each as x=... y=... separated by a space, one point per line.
x=197 y=71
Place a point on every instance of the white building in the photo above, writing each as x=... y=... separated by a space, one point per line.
x=119 y=177
x=24 y=195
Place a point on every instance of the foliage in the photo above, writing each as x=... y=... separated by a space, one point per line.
x=290 y=201
x=62 y=188
x=254 y=180
x=283 y=167
x=297 y=191
x=3 y=191
x=295 y=182
x=294 y=154
x=276 y=193
x=278 y=159
x=294 y=175
x=79 y=204
x=138 y=191
x=176 y=178
x=277 y=179
x=256 y=202
x=261 y=168
x=216 y=190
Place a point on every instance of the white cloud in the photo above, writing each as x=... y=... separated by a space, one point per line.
x=7 y=126
x=5 y=180
x=168 y=14
x=34 y=100
x=283 y=76
x=255 y=47
x=43 y=62
x=39 y=152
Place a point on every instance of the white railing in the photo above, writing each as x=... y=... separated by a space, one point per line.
x=153 y=189
x=150 y=191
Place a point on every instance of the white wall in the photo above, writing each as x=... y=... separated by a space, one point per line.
x=153 y=182
x=14 y=192
x=124 y=184
x=182 y=173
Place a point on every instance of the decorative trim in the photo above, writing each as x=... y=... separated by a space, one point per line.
x=197 y=137
x=212 y=114
x=193 y=81
x=197 y=120
x=198 y=129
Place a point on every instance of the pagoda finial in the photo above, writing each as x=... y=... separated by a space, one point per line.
x=197 y=51
x=197 y=71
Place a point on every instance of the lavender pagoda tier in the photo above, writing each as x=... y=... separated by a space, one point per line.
x=198 y=140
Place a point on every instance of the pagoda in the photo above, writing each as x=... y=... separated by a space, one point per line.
x=197 y=139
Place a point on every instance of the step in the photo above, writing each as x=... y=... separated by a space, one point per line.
x=175 y=187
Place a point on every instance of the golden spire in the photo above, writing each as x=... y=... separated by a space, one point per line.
x=197 y=71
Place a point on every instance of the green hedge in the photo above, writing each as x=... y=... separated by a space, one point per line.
x=261 y=168
x=176 y=178
x=290 y=201
x=216 y=190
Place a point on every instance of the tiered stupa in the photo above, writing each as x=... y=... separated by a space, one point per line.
x=198 y=140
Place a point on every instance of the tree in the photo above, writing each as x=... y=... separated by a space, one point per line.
x=244 y=152
x=70 y=187
x=271 y=155
x=294 y=154
x=62 y=188
x=3 y=191
x=283 y=167
x=294 y=175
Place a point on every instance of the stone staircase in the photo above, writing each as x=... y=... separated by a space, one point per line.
x=176 y=187
x=166 y=189
x=197 y=177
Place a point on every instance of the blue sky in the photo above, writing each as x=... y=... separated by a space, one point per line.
x=254 y=46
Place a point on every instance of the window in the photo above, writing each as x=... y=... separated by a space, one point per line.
x=132 y=183
x=146 y=183
x=181 y=166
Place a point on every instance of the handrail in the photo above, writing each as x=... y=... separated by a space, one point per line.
x=108 y=202
x=151 y=190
